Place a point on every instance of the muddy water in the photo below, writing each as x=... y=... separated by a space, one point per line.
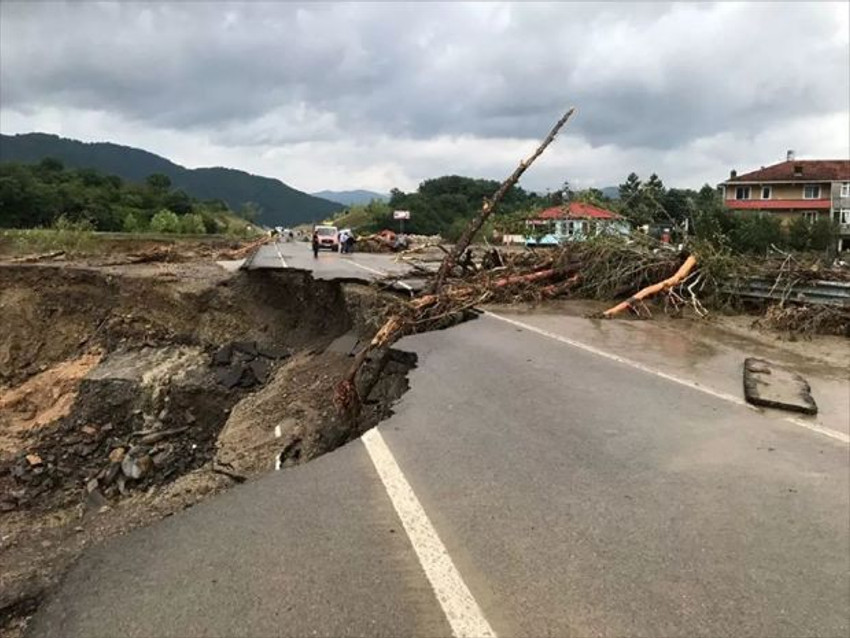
x=709 y=352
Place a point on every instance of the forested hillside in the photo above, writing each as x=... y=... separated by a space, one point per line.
x=275 y=203
x=48 y=194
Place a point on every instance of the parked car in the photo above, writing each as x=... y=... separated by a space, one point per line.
x=328 y=237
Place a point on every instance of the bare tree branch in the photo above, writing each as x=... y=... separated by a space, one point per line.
x=491 y=204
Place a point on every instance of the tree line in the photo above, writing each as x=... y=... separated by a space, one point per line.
x=42 y=194
x=444 y=205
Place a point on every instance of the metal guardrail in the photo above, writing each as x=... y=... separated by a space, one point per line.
x=823 y=293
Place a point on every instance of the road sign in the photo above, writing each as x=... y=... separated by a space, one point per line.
x=401 y=214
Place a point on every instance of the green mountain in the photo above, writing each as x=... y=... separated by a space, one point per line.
x=351 y=198
x=611 y=192
x=279 y=204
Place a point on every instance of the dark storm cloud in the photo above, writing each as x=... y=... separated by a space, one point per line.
x=653 y=76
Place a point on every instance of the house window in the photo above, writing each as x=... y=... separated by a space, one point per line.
x=810 y=216
x=742 y=192
x=811 y=191
x=765 y=192
x=844 y=217
x=845 y=189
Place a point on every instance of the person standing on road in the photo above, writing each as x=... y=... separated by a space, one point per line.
x=342 y=241
x=315 y=244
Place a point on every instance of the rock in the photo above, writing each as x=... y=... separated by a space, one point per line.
x=768 y=385
x=229 y=377
x=87 y=429
x=247 y=379
x=136 y=468
x=273 y=351
x=92 y=485
x=246 y=347
x=95 y=499
x=189 y=417
x=8 y=506
x=34 y=459
x=117 y=455
x=223 y=355
x=111 y=473
x=261 y=369
x=85 y=449
x=162 y=458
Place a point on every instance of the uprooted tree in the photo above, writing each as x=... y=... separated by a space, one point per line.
x=434 y=306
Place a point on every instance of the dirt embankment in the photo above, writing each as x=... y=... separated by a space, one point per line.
x=128 y=393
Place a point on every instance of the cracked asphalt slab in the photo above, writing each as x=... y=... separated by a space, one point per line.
x=574 y=494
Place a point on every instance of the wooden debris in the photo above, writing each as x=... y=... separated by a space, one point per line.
x=649 y=291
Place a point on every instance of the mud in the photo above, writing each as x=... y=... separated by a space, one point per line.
x=51 y=314
x=130 y=392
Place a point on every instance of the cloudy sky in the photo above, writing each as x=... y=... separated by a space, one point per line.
x=378 y=95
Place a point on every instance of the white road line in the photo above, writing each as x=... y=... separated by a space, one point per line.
x=280 y=254
x=459 y=606
x=814 y=427
x=381 y=273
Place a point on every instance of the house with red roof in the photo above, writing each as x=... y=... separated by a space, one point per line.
x=813 y=189
x=575 y=221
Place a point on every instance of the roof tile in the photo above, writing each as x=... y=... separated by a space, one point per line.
x=812 y=171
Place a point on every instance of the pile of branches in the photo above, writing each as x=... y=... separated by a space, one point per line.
x=806 y=320
x=602 y=268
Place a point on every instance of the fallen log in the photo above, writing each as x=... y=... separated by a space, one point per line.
x=518 y=279
x=680 y=275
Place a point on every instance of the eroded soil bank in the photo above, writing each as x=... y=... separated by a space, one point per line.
x=129 y=393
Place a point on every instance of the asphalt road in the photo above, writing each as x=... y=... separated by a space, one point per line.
x=366 y=267
x=572 y=494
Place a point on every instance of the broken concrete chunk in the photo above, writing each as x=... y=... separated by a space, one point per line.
x=771 y=386
x=117 y=455
x=34 y=459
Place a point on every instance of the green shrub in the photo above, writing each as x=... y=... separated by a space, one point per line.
x=823 y=234
x=133 y=223
x=798 y=234
x=165 y=222
x=192 y=224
